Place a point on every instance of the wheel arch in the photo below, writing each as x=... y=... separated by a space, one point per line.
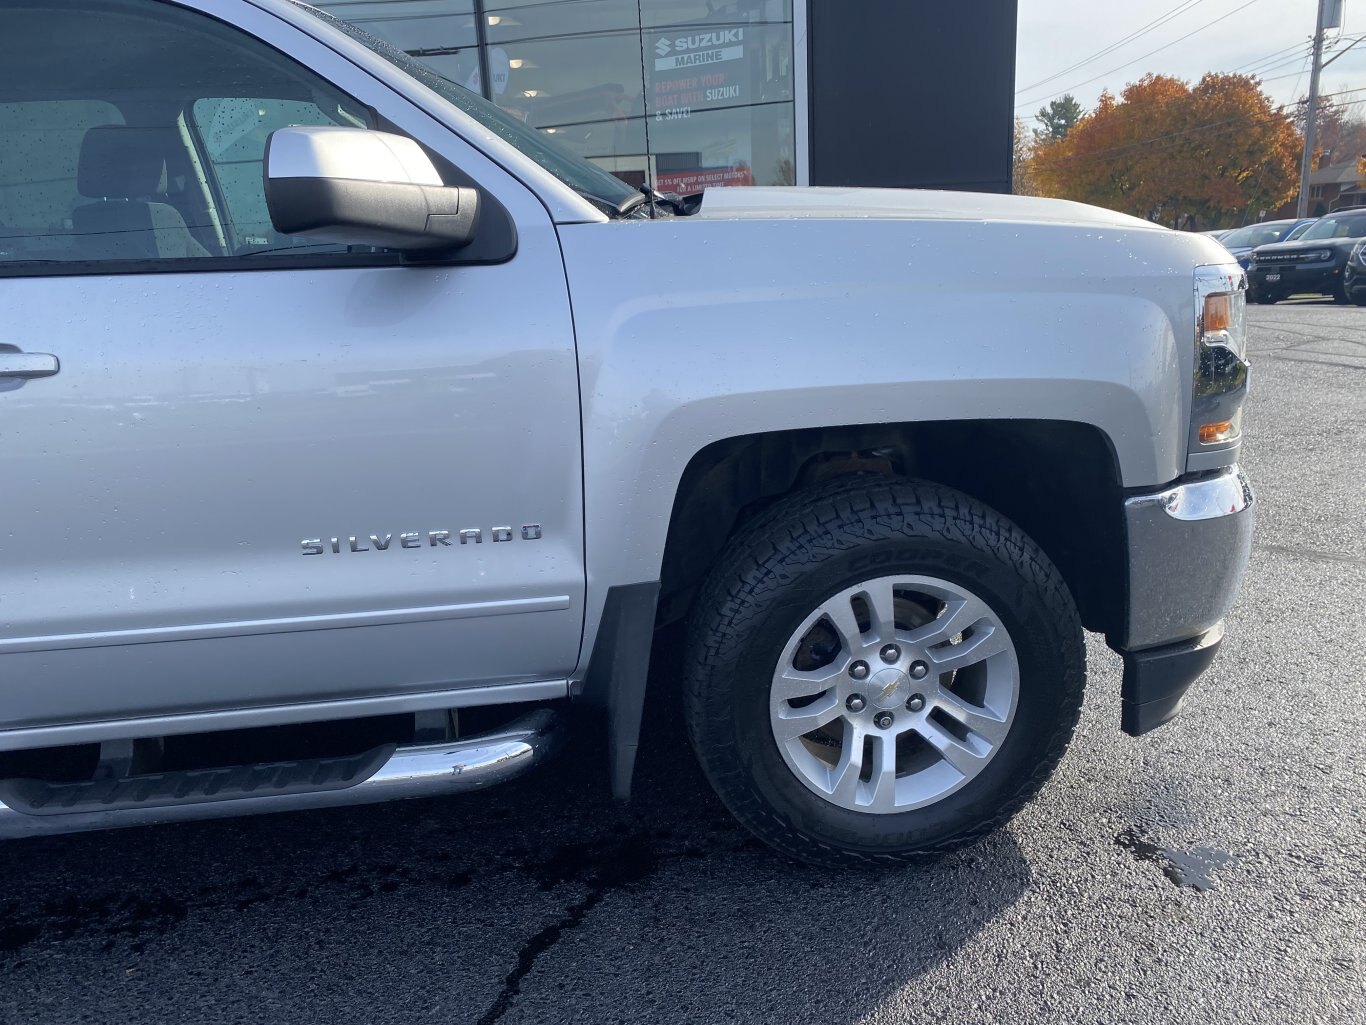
x=1059 y=481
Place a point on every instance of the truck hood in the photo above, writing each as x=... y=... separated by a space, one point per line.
x=907 y=204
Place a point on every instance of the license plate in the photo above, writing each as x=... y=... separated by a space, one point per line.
x=1273 y=277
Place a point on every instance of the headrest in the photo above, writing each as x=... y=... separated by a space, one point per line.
x=118 y=162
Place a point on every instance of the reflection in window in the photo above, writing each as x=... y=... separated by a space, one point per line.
x=234 y=131
x=598 y=15
x=509 y=21
x=611 y=143
x=690 y=93
x=432 y=25
x=103 y=164
x=749 y=145
x=40 y=145
x=571 y=80
x=443 y=33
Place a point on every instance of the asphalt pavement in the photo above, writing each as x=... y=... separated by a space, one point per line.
x=1214 y=871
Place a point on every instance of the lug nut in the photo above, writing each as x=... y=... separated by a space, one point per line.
x=883 y=720
x=890 y=653
x=918 y=670
x=859 y=670
x=855 y=703
x=915 y=703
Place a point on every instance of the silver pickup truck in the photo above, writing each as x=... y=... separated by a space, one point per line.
x=353 y=435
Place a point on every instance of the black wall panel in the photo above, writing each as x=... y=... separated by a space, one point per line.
x=912 y=93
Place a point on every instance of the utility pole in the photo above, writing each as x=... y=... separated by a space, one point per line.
x=1329 y=16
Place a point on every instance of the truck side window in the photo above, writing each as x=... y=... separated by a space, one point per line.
x=232 y=133
x=40 y=142
x=134 y=137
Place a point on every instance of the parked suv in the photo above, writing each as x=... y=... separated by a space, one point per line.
x=1242 y=241
x=1314 y=264
x=353 y=432
x=1354 y=277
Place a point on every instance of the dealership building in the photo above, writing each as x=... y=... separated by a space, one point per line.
x=696 y=93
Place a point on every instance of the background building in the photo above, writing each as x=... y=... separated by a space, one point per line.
x=694 y=93
x=1331 y=188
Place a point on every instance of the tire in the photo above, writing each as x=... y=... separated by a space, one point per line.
x=1359 y=298
x=916 y=545
x=1339 y=294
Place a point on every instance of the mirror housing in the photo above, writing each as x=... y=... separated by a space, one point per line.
x=353 y=186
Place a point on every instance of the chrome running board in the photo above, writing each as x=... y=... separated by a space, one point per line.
x=33 y=808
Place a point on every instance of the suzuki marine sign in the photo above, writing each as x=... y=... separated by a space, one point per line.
x=699 y=48
x=700 y=70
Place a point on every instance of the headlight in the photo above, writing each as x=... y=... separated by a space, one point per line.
x=1223 y=309
x=1221 y=367
x=1252 y=256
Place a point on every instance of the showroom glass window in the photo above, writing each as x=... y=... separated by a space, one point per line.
x=690 y=93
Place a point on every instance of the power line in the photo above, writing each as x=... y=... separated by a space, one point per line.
x=1292 y=74
x=1308 y=58
x=1298 y=75
x=1150 y=53
x=1262 y=74
x=1155 y=23
x=1298 y=48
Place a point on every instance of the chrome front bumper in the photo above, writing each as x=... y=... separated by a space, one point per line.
x=1188 y=548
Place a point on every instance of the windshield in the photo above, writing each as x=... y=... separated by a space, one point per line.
x=1256 y=234
x=1337 y=226
x=579 y=174
x=1299 y=232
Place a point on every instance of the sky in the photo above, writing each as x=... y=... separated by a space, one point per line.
x=1266 y=37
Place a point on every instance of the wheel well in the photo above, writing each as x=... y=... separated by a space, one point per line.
x=1057 y=480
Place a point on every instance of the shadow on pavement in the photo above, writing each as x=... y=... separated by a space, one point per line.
x=540 y=900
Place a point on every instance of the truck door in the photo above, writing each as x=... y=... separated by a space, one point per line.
x=240 y=471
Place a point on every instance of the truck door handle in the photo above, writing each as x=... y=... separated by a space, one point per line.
x=14 y=363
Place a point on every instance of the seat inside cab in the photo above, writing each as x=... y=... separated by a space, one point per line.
x=123 y=170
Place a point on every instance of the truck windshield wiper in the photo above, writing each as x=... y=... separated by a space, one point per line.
x=632 y=202
x=607 y=206
x=680 y=205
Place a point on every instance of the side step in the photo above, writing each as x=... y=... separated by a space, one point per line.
x=388 y=773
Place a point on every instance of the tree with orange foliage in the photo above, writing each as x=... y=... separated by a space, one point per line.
x=1183 y=156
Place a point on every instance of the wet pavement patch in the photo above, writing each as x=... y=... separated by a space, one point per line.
x=15 y=937
x=134 y=919
x=1194 y=868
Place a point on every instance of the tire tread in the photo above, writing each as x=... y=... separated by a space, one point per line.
x=801 y=530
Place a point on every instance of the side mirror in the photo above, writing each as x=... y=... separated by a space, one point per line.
x=357 y=187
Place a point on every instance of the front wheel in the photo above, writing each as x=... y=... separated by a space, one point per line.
x=881 y=670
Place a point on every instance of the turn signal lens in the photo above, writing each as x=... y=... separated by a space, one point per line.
x=1220 y=430
x=1221 y=367
x=1218 y=312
